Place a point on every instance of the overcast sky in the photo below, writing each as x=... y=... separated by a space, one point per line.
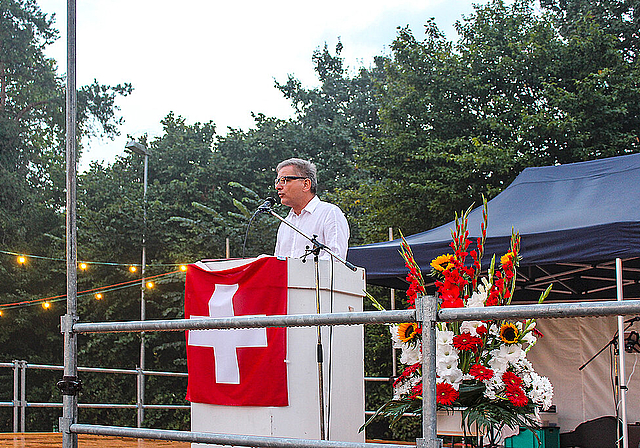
x=217 y=60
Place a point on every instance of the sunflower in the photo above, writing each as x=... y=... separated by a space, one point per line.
x=509 y=333
x=507 y=258
x=407 y=332
x=442 y=262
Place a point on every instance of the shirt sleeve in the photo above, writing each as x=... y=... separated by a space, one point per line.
x=336 y=232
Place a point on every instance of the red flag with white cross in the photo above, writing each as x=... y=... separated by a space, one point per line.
x=243 y=366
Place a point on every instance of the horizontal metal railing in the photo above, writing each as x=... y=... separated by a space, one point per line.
x=553 y=310
x=20 y=403
x=220 y=439
x=425 y=313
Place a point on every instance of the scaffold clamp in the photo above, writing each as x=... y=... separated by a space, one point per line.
x=70 y=385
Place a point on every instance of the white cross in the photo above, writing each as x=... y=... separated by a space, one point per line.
x=225 y=342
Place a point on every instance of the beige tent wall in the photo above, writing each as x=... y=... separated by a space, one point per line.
x=583 y=395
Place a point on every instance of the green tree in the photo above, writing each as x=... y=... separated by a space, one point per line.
x=32 y=182
x=462 y=120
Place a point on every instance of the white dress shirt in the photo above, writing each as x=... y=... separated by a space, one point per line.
x=316 y=218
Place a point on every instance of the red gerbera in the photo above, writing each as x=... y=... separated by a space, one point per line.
x=481 y=330
x=516 y=396
x=511 y=379
x=466 y=341
x=446 y=394
x=481 y=372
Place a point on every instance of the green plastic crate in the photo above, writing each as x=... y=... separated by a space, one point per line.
x=549 y=438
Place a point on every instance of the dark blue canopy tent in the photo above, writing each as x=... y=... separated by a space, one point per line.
x=574 y=220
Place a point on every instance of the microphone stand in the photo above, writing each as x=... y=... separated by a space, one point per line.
x=611 y=342
x=317 y=247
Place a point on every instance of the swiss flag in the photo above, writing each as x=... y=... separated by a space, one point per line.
x=241 y=367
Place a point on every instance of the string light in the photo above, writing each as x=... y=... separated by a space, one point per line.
x=83 y=266
x=98 y=296
x=150 y=285
x=1 y=313
x=24 y=258
x=102 y=289
x=46 y=305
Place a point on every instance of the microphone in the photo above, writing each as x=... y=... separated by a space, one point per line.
x=267 y=204
x=264 y=208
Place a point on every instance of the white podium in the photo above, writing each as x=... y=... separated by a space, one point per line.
x=343 y=364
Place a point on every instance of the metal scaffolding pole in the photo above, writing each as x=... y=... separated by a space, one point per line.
x=426 y=312
x=621 y=406
x=69 y=383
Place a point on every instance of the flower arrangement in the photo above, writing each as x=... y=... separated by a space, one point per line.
x=481 y=366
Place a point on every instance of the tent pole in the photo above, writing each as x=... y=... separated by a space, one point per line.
x=622 y=404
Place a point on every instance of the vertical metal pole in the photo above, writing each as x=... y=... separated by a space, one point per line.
x=70 y=400
x=142 y=288
x=23 y=396
x=320 y=353
x=16 y=400
x=622 y=377
x=227 y=251
x=426 y=313
x=394 y=360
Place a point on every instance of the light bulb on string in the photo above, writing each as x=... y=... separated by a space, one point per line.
x=98 y=296
x=183 y=267
x=21 y=259
x=1 y=313
x=83 y=266
x=46 y=305
x=133 y=269
x=150 y=285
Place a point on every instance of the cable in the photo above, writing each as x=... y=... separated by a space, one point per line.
x=104 y=263
x=107 y=288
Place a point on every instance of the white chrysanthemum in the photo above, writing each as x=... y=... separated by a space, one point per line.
x=493 y=386
x=400 y=390
x=470 y=326
x=404 y=387
x=541 y=390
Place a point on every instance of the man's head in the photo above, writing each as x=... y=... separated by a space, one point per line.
x=296 y=183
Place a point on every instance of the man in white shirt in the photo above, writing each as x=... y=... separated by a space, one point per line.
x=296 y=184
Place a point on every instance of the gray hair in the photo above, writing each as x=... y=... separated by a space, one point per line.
x=304 y=168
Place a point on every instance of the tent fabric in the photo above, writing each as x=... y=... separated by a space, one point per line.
x=582 y=395
x=579 y=212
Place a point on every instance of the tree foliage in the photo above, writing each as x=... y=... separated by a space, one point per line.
x=402 y=143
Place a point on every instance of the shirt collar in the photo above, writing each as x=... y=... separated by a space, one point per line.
x=309 y=208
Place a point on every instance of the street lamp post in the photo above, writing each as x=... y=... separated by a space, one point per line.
x=142 y=150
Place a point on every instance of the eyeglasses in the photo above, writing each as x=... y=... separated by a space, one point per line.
x=282 y=180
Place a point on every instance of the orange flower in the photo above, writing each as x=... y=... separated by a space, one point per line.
x=408 y=331
x=442 y=262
